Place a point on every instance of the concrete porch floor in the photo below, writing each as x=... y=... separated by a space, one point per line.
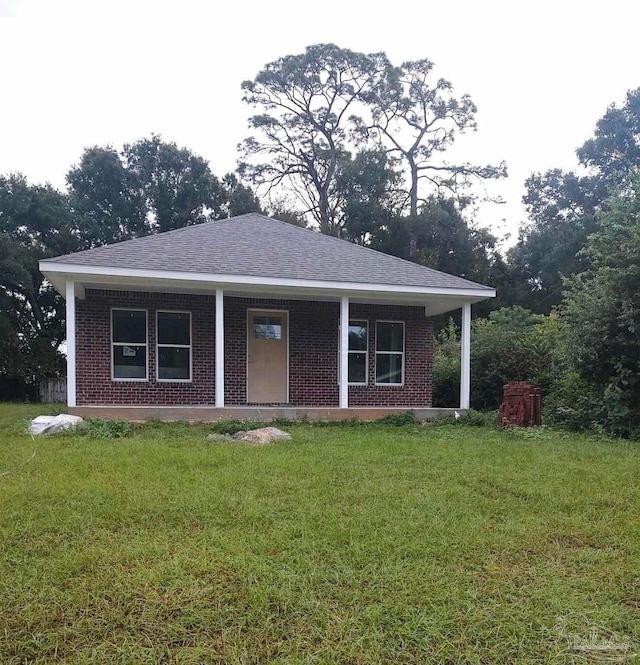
x=258 y=413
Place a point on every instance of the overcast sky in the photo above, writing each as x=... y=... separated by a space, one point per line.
x=77 y=73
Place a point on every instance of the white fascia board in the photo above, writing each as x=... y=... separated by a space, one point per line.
x=90 y=272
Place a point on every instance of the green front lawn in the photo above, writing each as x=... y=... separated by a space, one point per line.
x=368 y=544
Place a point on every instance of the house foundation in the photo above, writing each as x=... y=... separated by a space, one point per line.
x=259 y=414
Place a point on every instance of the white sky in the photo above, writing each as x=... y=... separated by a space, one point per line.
x=77 y=73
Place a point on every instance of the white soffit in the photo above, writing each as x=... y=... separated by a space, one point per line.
x=437 y=300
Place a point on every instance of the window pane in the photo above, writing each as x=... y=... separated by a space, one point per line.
x=174 y=328
x=129 y=326
x=389 y=336
x=129 y=362
x=357 y=368
x=389 y=368
x=267 y=327
x=358 y=336
x=274 y=331
x=174 y=363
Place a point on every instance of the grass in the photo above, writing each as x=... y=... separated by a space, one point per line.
x=352 y=544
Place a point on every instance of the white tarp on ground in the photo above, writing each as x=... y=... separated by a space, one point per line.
x=53 y=424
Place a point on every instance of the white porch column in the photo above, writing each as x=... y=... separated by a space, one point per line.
x=465 y=357
x=70 y=297
x=219 y=348
x=344 y=352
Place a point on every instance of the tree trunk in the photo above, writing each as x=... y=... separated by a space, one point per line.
x=323 y=211
x=413 y=192
x=413 y=209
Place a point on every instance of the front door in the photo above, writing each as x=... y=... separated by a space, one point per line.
x=267 y=357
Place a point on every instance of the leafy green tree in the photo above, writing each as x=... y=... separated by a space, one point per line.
x=602 y=315
x=562 y=206
x=614 y=151
x=444 y=240
x=150 y=186
x=106 y=197
x=328 y=112
x=368 y=196
x=177 y=186
x=35 y=222
x=239 y=199
x=441 y=238
x=282 y=210
x=305 y=103
x=416 y=119
x=562 y=210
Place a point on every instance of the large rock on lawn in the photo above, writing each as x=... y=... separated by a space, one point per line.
x=262 y=435
x=255 y=436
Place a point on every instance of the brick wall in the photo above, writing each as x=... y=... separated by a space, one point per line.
x=93 y=350
x=418 y=357
x=313 y=355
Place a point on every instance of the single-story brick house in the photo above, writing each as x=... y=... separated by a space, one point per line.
x=251 y=317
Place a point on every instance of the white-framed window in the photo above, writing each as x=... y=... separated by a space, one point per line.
x=358 y=353
x=173 y=346
x=389 y=353
x=129 y=345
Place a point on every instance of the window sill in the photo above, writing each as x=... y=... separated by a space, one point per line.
x=115 y=380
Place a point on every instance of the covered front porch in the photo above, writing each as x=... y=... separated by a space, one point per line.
x=319 y=356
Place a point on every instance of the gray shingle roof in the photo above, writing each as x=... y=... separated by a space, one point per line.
x=258 y=246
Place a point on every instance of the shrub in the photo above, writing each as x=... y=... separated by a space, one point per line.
x=512 y=344
x=601 y=311
x=446 y=367
x=98 y=428
x=479 y=418
x=399 y=419
x=613 y=412
x=471 y=418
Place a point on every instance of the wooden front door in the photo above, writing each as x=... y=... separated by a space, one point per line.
x=267 y=357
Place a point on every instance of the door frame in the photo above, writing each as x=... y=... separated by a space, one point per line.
x=262 y=310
